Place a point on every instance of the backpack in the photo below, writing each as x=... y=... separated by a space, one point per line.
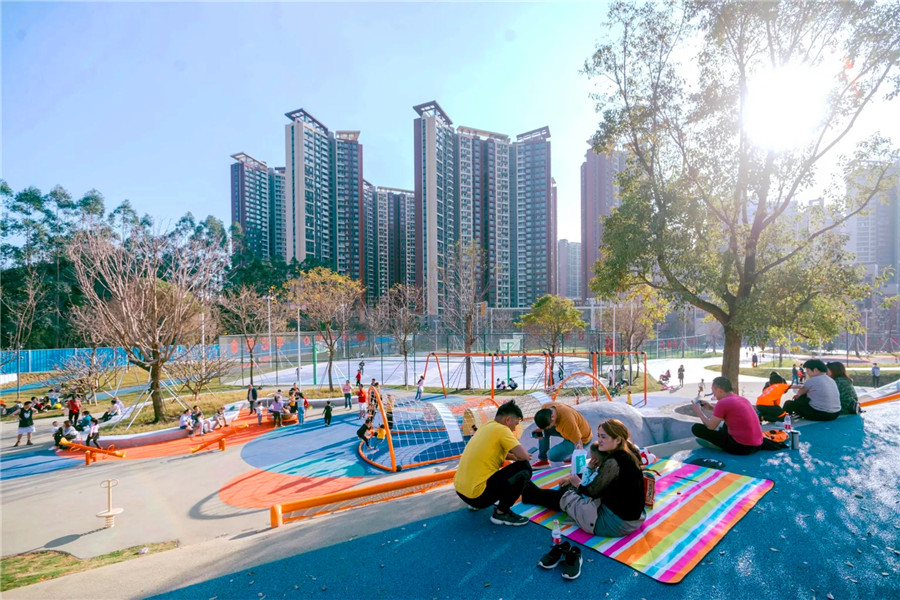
x=775 y=439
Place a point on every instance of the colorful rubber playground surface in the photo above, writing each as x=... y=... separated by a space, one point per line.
x=829 y=524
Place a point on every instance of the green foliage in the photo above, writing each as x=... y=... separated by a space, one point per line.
x=551 y=317
x=710 y=218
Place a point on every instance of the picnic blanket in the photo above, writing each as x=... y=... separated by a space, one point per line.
x=695 y=507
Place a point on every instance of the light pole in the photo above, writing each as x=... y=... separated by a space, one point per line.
x=269 y=307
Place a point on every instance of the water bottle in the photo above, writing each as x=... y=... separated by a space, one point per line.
x=556 y=534
x=787 y=424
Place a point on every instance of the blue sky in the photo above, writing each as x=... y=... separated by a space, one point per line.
x=147 y=101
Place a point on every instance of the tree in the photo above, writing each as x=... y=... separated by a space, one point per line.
x=400 y=312
x=196 y=370
x=710 y=216
x=19 y=310
x=87 y=372
x=637 y=312
x=146 y=295
x=464 y=292
x=327 y=299
x=551 y=317
x=247 y=313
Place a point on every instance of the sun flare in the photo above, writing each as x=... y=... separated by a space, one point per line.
x=785 y=106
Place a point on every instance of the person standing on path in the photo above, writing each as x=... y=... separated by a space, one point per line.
x=26 y=423
x=326 y=412
x=252 y=396
x=362 y=401
x=681 y=376
x=420 y=387
x=795 y=375
x=74 y=409
x=348 y=394
x=876 y=375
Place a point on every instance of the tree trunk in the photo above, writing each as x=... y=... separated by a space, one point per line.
x=159 y=408
x=250 y=350
x=330 y=361
x=731 y=355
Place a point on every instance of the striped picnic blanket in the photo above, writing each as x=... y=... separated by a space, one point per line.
x=695 y=507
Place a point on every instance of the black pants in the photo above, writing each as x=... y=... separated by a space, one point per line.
x=876 y=380
x=93 y=439
x=327 y=418
x=722 y=439
x=57 y=437
x=801 y=407
x=771 y=413
x=532 y=494
x=503 y=487
x=365 y=439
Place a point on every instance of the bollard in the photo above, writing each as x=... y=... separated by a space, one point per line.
x=110 y=513
x=222 y=444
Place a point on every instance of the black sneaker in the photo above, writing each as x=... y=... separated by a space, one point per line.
x=556 y=554
x=508 y=518
x=572 y=565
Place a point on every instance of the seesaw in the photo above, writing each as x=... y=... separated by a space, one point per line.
x=90 y=454
x=219 y=440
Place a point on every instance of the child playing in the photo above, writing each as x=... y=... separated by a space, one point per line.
x=326 y=413
x=380 y=434
x=363 y=402
x=94 y=434
x=365 y=432
x=259 y=412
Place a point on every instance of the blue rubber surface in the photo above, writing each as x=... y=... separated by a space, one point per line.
x=327 y=451
x=34 y=462
x=830 y=525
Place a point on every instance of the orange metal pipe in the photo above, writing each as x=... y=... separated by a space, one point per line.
x=597 y=382
x=390 y=441
x=287 y=507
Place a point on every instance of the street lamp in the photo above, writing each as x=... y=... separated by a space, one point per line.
x=269 y=308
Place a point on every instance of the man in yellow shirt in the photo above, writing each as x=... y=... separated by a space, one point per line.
x=480 y=481
x=563 y=421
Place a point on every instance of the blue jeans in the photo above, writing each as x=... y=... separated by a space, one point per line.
x=560 y=452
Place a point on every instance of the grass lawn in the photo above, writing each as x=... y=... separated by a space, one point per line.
x=25 y=569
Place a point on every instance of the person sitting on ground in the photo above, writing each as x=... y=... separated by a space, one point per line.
x=563 y=421
x=66 y=431
x=199 y=425
x=740 y=433
x=276 y=408
x=26 y=423
x=817 y=398
x=365 y=433
x=185 y=422
x=111 y=412
x=480 y=481
x=85 y=423
x=512 y=384
x=218 y=419
x=768 y=405
x=846 y=392
x=609 y=499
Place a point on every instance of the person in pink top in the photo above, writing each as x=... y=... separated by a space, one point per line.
x=740 y=433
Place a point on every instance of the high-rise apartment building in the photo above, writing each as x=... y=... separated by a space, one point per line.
x=568 y=271
x=323 y=193
x=599 y=195
x=389 y=239
x=484 y=206
x=250 y=202
x=874 y=235
x=277 y=223
x=473 y=185
x=534 y=198
x=436 y=200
